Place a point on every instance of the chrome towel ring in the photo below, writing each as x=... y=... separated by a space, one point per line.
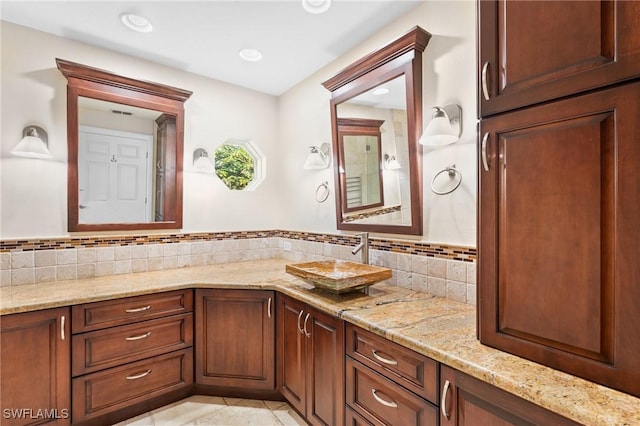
x=322 y=192
x=454 y=175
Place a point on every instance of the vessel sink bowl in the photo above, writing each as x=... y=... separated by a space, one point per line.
x=338 y=276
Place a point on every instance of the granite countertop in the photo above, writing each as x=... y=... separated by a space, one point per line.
x=438 y=328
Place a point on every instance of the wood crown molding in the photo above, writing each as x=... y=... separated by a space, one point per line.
x=417 y=39
x=96 y=75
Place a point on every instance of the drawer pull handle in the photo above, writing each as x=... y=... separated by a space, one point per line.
x=443 y=398
x=383 y=359
x=62 y=321
x=391 y=404
x=142 y=336
x=299 y=318
x=139 y=376
x=133 y=310
x=269 y=308
x=483 y=154
x=306 y=333
x=485 y=88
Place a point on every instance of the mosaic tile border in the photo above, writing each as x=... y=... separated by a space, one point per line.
x=465 y=254
x=387 y=210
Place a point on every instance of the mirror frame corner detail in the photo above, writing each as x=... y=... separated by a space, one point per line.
x=402 y=57
x=85 y=81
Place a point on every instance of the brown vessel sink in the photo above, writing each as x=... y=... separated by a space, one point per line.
x=338 y=276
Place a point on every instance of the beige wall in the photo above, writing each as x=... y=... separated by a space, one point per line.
x=33 y=192
x=448 y=77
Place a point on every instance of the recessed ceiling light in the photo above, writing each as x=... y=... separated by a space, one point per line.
x=381 y=91
x=316 y=6
x=136 y=22
x=250 y=55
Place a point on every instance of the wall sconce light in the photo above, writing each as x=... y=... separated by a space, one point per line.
x=445 y=126
x=318 y=158
x=34 y=143
x=391 y=162
x=202 y=162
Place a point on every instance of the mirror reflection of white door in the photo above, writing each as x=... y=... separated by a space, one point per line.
x=114 y=176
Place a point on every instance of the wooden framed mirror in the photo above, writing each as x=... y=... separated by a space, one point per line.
x=125 y=151
x=384 y=87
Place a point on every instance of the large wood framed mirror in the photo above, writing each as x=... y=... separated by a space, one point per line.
x=125 y=151
x=378 y=172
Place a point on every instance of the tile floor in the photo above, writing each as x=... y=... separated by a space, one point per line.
x=213 y=410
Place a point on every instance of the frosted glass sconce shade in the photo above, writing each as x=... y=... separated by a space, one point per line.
x=444 y=128
x=316 y=6
x=318 y=158
x=34 y=143
x=201 y=161
x=391 y=162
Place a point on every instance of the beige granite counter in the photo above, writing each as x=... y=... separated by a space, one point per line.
x=436 y=327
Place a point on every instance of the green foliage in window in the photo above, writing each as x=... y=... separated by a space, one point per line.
x=234 y=166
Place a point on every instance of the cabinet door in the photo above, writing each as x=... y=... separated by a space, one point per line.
x=466 y=401
x=36 y=368
x=534 y=51
x=235 y=338
x=325 y=368
x=291 y=352
x=558 y=235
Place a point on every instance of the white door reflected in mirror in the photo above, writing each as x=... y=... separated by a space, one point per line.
x=115 y=176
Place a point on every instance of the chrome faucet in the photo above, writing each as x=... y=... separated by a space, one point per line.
x=363 y=247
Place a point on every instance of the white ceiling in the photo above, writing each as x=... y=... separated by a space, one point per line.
x=204 y=37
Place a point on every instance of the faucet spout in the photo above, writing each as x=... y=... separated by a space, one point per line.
x=363 y=248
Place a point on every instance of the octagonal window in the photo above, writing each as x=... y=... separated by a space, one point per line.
x=239 y=164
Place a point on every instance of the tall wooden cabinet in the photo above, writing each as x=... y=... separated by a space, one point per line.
x=235 y=339
x=535 y=51
x=311 y=362
x=559 y=188
x=35 y=366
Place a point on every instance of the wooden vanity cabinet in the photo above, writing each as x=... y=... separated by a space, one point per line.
x=536 y=51
x=466 y=401
x=35 y=368
x=235 y=341
x=311 y=361
x=131 y=355
x=387 y=384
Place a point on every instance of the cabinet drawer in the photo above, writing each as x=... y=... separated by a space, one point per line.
x=380 y=400
x=354 y=419
x=93 y=316
x=97 y=350
x=416 y=372
x=116 y=388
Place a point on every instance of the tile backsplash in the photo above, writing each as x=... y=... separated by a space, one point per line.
x=444 y=271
